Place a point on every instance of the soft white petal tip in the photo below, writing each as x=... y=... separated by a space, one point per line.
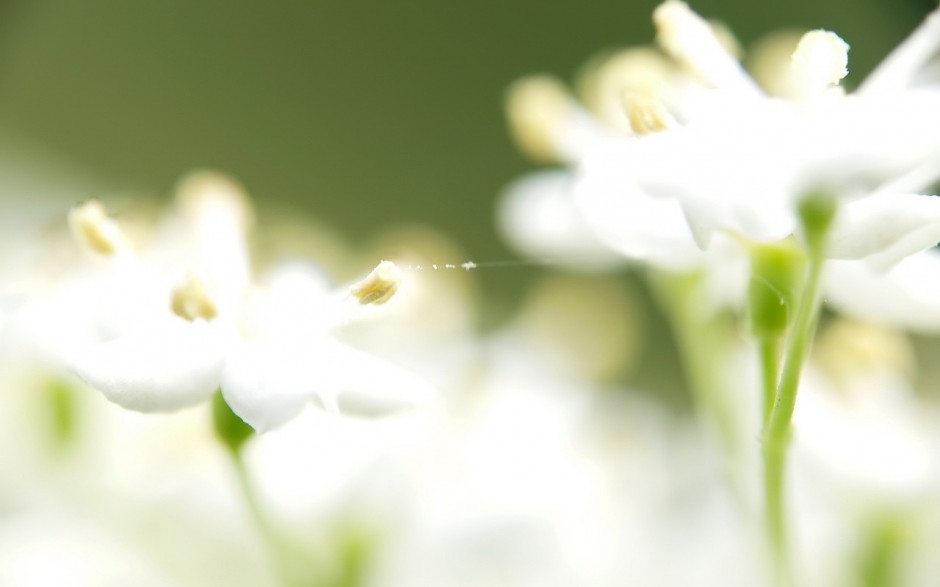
x=695 y=43
x=820 y=60
x=210 y=193
x=379 y=286
x=679 y=28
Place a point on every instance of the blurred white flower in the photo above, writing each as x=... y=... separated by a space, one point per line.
x=291 y=357
x=741 y=160
x=700 y=150
x=163 y=329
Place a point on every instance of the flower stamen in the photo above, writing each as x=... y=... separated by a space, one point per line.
x=628 y=89
x=190 y=300
x=693 y=42
x=91 y=225
x=647 y=113
x=379 y=286
x=819 y=63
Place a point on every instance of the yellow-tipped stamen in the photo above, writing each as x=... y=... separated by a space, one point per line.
x=189 y=299
x=92 y=226
x=537 y=108
x=218 y=214
x=819 y=63
x=693 y=42
x=647 y=113
x=613 y=87
x=379 y=286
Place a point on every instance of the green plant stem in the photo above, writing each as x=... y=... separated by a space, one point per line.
x=698 y=334
x=777 y=429
x=278 y=548
x=770 y=373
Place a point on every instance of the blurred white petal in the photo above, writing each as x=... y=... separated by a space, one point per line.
x=539 y=217
x=371 y=386
x=907 y=296
x=268 y=382
x=159 y=369
x=885 y=228
x=626 y=218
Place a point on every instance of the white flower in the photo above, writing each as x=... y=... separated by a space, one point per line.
x=152 y=339
x=705 y=151
x=741 y=160
x=292 y=357
x=574 y=215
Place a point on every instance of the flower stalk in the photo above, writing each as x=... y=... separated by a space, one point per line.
x=233 y=433
x=816 y=213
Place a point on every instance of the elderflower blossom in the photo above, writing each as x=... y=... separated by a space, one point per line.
x=675 y=153
x=164 y=329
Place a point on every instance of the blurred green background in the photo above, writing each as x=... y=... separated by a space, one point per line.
x=365 y=113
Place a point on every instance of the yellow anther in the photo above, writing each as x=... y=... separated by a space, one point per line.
x=646 y=113
x=379 y=286
x=92 y=226
x=190 y=300
x=610 y=83
x=536 y=108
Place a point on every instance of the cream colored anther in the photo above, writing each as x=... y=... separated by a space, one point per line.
x=646 y=113
x=537 y=108
x=379 y=286
x=189 y=299
x=616 y=86
x=90 y=224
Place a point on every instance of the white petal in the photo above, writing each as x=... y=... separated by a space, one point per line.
x=626 y=218
x=907 y=297
x=859 y=142
x=157 y=369
x=538 y=216
x=901 y=67
x=373 y=386
x=267 y=384
x=885 y=228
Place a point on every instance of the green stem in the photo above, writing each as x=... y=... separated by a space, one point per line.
x=777 y=429
x=770 y=372
x=278 y=548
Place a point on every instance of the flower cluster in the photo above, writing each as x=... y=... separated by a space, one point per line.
x=164 y=327
x=674 y=151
